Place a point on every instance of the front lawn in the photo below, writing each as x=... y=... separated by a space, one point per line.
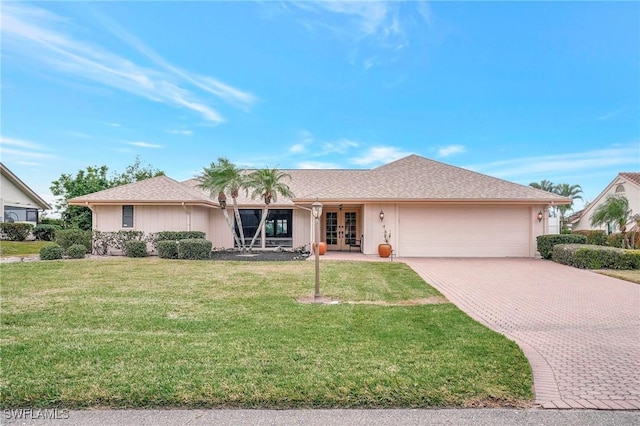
x=157 y=333
x=21 y=248
x=627 y=275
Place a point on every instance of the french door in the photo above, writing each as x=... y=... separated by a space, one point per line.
x=341 y=228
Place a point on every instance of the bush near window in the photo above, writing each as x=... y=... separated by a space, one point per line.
x=44 y=232
x=51 y=252
x=546 y=242
x=596 y=257
x=15 y=231
x=595 y=237
x=65 y=238
x=168 y=249
x=178 y=235
x=194 y=249
x=77 y=251
x=135 y=248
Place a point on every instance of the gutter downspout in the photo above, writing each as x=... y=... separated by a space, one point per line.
x=94 y=216
x=188 y=212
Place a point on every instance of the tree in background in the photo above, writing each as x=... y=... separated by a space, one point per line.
x=564 y=190
x=545 y=185
x=569 y=191
x=92 y=179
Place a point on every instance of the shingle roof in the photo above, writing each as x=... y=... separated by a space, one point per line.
x=410 y=178
x=159 y=189
x=631 y=176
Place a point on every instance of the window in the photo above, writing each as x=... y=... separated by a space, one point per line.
x=277 y=227
x=127 y=216
x=20 y=214
x=619 y=188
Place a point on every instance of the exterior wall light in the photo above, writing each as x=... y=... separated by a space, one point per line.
x=540 y=216
x=381 y=216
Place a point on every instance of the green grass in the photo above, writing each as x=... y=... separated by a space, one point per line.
x=627 y=275
x=21 y=248
x=158 y=333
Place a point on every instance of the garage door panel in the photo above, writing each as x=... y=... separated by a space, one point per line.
x=463 y=231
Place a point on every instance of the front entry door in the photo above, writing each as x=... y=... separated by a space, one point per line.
x=341 y=229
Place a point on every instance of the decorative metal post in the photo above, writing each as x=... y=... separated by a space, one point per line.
x=316 y=210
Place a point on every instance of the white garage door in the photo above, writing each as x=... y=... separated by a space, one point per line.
x=463 y=231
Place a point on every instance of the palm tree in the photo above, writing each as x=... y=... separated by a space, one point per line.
x=219 y=178
x=545 y=185
x=614 y=210
x=569 y=191
x=267 y=184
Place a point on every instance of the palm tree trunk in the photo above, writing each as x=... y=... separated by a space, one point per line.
x=236 y=212
x=233 y=231
x=265 y=212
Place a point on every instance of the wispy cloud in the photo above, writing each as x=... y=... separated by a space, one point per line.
x=113 y=124
x=180 y=132
x=40 y=35
x=145 y=145
x=382 y=26
x=609 y=115
x=379 y=155
x=619 y=156
x=23 y=151
x=317 y=165
x=447 y=151
x=341 y=146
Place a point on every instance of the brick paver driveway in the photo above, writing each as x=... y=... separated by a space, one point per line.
x=579 y=330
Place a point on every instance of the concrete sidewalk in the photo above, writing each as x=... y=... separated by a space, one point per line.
x=580 y=330
x=474 y=417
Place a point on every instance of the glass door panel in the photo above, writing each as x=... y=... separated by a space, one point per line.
x=331 y=230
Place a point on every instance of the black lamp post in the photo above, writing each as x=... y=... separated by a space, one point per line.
x=316 y=211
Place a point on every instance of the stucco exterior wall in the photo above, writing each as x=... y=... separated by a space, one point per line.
x=153 y=219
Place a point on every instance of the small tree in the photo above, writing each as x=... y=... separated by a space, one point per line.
x=615 y=210
x=267 y=184
x=219 y=178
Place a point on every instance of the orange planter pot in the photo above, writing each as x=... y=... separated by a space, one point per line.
x=384 y=250
x=323 y=248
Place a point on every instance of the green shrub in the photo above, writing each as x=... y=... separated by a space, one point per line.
x=178 y=235
x=168 y=249
x=65 y=238
x=135 y=248
x=51 y=252
x=546 y=242
x=45 y=232
x=77 y=251
x=194 y=248
x=594 y=237
x=15 y=231
x=615 y=240
x=596 y=257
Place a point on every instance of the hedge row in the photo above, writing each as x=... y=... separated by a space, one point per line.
x=190 y=248
x=15 y=231
x=596 y=257
x=594 y=237
x=546 y=242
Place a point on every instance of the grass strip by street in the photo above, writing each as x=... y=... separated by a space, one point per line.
x=21 y=248
x=150 y=332
x=627 y=275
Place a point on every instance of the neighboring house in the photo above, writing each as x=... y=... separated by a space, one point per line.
x=430 y=208
x=18 y=202
x=625 y=184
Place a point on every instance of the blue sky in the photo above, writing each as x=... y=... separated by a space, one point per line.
x=520 y=91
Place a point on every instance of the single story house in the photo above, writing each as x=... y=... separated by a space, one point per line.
x=430 y=209
x=626 y=184
x=18 y=202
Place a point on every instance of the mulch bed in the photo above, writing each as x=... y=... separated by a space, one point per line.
x=259 y=256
